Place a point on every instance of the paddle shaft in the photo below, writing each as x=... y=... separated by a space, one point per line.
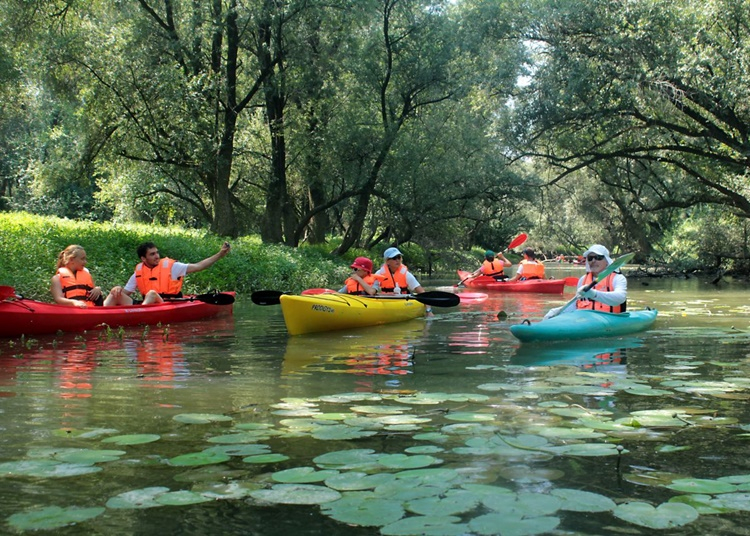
x=214 y=298
x=433 y=298
x=614 y=265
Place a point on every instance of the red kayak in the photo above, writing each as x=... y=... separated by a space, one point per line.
x=543 y=286
x=23 y=316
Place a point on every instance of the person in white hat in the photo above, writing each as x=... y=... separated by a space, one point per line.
x=396 y=276
x=608 y=295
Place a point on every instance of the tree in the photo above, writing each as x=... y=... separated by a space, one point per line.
x=650 y=96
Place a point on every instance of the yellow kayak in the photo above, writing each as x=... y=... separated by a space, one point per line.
x=330 y=312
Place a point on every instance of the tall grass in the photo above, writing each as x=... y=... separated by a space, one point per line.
x=31 y=244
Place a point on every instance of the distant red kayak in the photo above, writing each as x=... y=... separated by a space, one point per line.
x=29 y=317
x=543 y=286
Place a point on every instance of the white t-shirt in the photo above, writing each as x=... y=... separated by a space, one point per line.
x=179 y=269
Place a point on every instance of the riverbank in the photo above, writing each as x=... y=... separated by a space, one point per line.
x=32 y=244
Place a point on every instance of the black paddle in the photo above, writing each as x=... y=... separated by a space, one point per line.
x=434 y=298
x=214 y=298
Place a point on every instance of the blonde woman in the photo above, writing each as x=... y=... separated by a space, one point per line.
x=72 y=284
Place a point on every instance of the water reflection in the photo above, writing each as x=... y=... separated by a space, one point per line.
x=380 y=351
x=585 y=354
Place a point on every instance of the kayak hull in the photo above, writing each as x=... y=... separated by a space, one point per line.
x=30 y=317
x=331 y=312
x=541 y=286
x=585 y=324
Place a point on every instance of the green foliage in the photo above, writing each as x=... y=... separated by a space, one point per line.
x=32 y=244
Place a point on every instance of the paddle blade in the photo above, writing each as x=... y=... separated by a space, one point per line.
x=615 y=265
x=571 y=281
x=314 y=291
x=266 y=297
x=436 y=298
x=517 y=241
x=216 y=298
x=7 y=292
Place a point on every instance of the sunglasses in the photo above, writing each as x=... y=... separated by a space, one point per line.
x=396 y=258
x=592 y=258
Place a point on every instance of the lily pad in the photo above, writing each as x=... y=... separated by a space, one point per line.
x=464 y=416
x=205 y=457
x=296 y=494
x=404 y=461
x=357 y=481
x=488 y=524
x=132 y=439
x=426 y=526
x=303 y=475
x=137 y=499
x=52 y=517
x=364 y=510
x=266 y=458
x=181 y=498
x=701 y=485
x=576 y=500
x=200 y=418
x=665 y=516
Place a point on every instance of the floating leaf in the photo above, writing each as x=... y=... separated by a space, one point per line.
x=364 y=510
x=404 y=461
x=701 y=485
x=200 y=418
x=241 y=449
x=206 y=457
x=296 y=494
x=132 y=439
x=488 y=524
x=703 y=504
x=266 y=458
x=357 y=481
x=341 y=432
x=523 y=504
x=347 y=459
x=302 y=475
x=181 y=498
x=665 y=516
x=137 y=499
x=576 y=500
x=454 y=504
x=469 y=417
x=426 y=526
x=52 y=517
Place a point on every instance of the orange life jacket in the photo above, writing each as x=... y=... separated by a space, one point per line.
x=76 y=286
x=532 y=270
x=354 y=287
x=390 y=280
x=158 y=278
x=489 y=268
x=605 y=286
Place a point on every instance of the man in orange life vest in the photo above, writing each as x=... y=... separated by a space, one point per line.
x=529 y=267
x=396 y=276
x=158 y=278
x=609 y=295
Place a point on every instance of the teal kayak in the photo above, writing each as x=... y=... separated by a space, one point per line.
x=584 y=324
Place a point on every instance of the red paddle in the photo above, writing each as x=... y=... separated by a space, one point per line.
x=312 y=291
x=517 y=241
x=7 y=292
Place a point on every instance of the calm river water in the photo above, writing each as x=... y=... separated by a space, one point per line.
x=444 y=426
